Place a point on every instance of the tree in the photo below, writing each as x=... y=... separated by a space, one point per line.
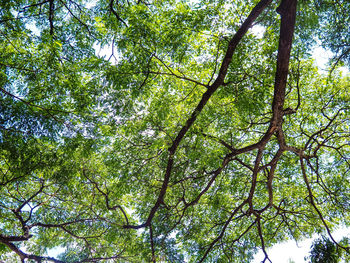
x=194 y=140
x=324 y=250
x=334 y=34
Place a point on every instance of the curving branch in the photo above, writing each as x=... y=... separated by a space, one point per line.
x=48 y=111
x=313 y=203
x=219 y=237
x=287 y=10
x=23 y=255
x=106 y=197
x=219 y=81
x=111 y=7
x=262 y=240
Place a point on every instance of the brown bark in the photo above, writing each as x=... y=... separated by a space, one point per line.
x=219 y=81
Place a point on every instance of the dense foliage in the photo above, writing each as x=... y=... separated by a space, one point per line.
x=323 y=250
x=205 y=134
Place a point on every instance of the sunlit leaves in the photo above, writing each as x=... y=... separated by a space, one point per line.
x=86 y=134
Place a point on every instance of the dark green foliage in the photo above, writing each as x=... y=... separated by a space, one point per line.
x=323 y=250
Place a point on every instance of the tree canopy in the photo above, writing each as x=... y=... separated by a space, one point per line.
x=323 y=250
x=205 y=134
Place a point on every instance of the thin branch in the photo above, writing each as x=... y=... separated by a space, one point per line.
x=223 y=231
x=177 y=76
x=48 y=111
x=106 y=197
x=216 y=62
x=338 y=60
x=222 y=142
x=312 y=202
x=111 y=3
x=262 y=241
x=36 y=4
x=152 y=244
x=257 y=10
x=75 y=17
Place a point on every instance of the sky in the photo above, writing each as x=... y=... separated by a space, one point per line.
x=290 y=251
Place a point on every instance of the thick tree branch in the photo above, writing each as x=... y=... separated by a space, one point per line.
x=257 y=10
x=287 y=10
x=24 y=255
x=51 y=15
x=254 y=178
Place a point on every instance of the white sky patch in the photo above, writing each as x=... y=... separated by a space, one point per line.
x=109 y=52
x=32 y=27
x=54 y=252
x=344 y=69
x=258 y=31
x=291 y=251
x=321 y=57
x=91 y=4
x=286 y=252
x=28 y=208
